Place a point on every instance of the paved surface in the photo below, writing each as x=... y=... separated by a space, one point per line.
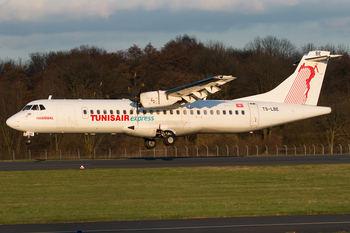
x=174 y=162
x=297 y=223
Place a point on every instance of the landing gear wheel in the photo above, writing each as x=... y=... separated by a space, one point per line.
x=169 y=138
x=27 y=141
x=150 y=143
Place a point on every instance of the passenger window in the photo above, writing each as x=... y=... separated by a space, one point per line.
x=178 y=112
x=218 y=112
x=118 y=112
x=91 y=111
x=151 y=112
x=236 y=112
x=211 y=112
x=124 y=112
x=205 y=112
x=105 y=112
x=185 y=112
x=191 y=112
x=42 y=107
x=198 y=112
x=28 y=107
x=243 y=112
x=111 y=111
x=164 y=111
x=131 y=112
x=224 y=112
x=158 y=112
x=138 y=112
x=35 y=107
x=85 y=111
x=171 y=112
x=144 y=111
x=230 y=112
x=98 y=112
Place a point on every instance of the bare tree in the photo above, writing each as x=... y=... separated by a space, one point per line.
x=13 y=95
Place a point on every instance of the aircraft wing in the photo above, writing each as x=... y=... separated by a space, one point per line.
x=185 y=94
x=201 y=89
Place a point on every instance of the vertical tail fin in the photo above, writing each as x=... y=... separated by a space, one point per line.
x=304 y=85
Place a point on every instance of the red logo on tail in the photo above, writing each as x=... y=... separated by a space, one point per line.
x=299 y=92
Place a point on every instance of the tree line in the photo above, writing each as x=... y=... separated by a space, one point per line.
x=89 y=72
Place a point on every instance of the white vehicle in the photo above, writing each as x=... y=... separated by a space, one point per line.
x=182 y=111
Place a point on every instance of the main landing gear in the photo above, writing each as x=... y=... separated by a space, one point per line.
x=168 y=139
x=150 y=143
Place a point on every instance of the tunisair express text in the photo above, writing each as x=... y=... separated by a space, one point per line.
x=121 y=118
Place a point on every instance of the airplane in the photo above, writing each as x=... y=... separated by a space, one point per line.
x=182 y=111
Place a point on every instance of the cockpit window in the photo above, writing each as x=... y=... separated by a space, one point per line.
x=35 y=107
x=27 y=107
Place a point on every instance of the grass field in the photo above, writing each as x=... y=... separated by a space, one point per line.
x=162 y=193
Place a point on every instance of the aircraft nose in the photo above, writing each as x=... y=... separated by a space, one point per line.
x=13 y=122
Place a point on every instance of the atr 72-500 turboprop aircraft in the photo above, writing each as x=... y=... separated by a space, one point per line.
x=183 y=110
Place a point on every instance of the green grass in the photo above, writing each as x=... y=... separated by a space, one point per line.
x=162 y=193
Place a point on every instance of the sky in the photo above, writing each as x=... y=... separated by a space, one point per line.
x=30 y=26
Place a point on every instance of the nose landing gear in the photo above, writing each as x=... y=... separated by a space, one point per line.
x=28 y=141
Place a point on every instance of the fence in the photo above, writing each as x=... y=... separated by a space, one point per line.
x=185 y=151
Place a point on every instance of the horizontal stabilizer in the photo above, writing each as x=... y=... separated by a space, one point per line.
x=322 y=58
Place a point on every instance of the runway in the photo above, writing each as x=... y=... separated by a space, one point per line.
x=174 y=162
x=297 y=223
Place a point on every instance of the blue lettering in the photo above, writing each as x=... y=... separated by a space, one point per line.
x=146 y=118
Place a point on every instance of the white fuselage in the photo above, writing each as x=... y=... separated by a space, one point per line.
x=121 y=116
x=294 y=99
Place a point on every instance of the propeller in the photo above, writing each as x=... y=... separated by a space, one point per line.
x=99 y=92
x=135 y=94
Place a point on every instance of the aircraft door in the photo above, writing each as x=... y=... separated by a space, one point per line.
x=65 y=116
x=254 y=114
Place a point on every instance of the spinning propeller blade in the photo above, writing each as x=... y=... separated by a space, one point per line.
x=135 y=94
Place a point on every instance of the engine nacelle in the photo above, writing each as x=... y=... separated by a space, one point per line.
x=154 y=99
